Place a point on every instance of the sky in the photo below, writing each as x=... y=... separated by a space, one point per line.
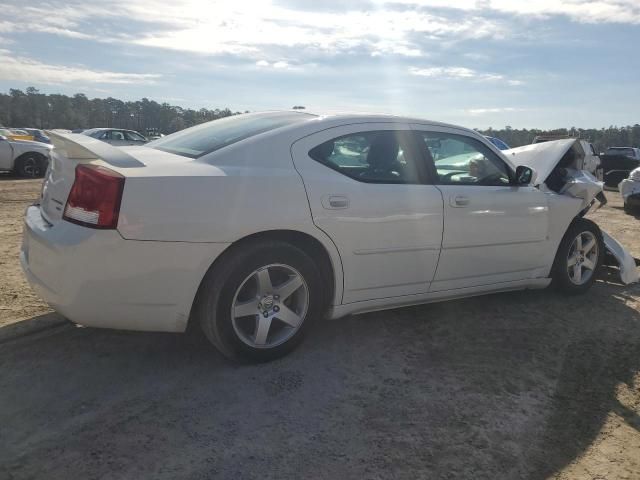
x=484 y=63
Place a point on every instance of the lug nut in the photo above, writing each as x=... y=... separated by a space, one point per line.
x=276 y=297
x=276 y=308
x=265 y=314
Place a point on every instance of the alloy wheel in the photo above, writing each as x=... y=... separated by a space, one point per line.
x=270 y=306
x=583 y=258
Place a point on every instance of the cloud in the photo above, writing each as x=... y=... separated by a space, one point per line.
x=7 y=27
x=581 y=11
x=443 y=72
x=28 y=70
x=485 y=111
x=280 y=65
x=255 y=29
x=461 y=73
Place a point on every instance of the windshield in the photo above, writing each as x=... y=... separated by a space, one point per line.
x=208 y=137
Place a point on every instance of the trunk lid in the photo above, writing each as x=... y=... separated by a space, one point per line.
x=72 y=149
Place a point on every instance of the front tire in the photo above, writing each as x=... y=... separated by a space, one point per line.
x=579 y=257
x=259 y=301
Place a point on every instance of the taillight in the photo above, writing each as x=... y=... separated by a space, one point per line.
x=94 y=200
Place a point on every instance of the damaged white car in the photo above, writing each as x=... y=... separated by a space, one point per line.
x=254 y=226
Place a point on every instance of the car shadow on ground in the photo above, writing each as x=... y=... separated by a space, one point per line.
x=11 y=176
x=635 y=213
x=514 y=385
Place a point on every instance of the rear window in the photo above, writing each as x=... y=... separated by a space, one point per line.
x=620 y=151
x=197 y=141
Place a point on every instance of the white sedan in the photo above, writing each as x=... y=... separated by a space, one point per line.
x=254 y=226
x=24 y=158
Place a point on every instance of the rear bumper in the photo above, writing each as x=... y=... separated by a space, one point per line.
x=97 y=278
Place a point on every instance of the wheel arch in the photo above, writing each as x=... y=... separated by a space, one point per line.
x=322 y=251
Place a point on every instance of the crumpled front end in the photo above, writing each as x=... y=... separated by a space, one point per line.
x=558 y=165
x=581 y=184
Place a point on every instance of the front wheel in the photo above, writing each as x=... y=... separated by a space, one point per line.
x=258 y=302
x=579 y=257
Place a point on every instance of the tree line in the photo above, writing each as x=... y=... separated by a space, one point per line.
x=32 y=109
x=613 y=136
x=38 y=110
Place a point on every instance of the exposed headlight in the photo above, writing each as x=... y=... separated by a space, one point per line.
x=635 y=175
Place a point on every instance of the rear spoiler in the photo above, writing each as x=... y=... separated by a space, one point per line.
x=76 y=146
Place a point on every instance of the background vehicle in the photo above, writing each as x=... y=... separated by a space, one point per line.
x=255 y=225
x=630 y=152
x=24 y=158
x=15 y=135
x=591 y=162
x=498 y=143
x=116 y=136
x=617 y=164
x=38 y=135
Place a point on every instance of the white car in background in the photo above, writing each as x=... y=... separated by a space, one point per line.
x=117 y=136
x=24 y=158
x=630 y=191
x=256 y=225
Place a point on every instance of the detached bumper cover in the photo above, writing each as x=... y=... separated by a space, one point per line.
x=626 y=262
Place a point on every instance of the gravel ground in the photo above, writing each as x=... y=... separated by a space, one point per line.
x=510 y=386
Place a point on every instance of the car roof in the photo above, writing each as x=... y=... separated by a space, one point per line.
x=321 y=120
x=104 y=129
x=379 y=117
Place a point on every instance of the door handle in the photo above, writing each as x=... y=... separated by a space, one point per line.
x=459 y=201
x=335 y=202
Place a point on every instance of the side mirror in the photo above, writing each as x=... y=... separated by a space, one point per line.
x=3 y=138
x=524 y=175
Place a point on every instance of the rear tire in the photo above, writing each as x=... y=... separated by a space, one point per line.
x=239 y=308
x=579 y=257
x=30 y=165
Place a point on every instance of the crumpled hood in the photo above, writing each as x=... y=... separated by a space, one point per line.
x=543 y=157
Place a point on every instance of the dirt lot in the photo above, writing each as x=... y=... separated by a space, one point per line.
x=510 y=386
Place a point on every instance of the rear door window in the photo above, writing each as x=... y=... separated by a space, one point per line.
x=372 y=157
